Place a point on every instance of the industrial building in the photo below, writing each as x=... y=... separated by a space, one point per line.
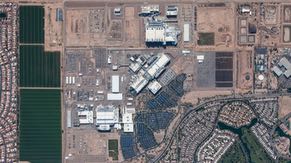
x=159 y=32
x=154 y=87
x=186 y=32
x=85 y=116
x=149 y=71
x=172 y=11
x=115 y=84
x=127 y=122
x=286 y=64
x=149 y=10
x=107 y=117
x=114 y=96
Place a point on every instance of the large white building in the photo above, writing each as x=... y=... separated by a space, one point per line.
x=158 y=31
x=106 y=116
x=150 y=72
x=127 y=122
x=115 y=83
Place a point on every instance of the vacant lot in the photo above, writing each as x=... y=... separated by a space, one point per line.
x=40 y=126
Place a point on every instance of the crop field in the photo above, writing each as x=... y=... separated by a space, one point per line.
x=40 y=126
x=39 y=68
x=31 y=24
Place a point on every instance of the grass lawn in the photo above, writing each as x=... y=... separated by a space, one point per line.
x=113 y=148
x=206 y=39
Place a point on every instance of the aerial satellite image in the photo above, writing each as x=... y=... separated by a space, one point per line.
x=145 y=81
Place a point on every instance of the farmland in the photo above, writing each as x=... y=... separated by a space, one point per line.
x=39 y=68
x=40 y=126
x=31 y=24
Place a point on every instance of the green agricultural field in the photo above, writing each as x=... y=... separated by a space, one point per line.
x=39 y=68
x=233 y=155
x=40 y=126
x=31 y=24
x=206 y=39
x=257 y=151
x=113 y=148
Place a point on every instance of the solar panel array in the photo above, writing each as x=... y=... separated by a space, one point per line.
x=127 y=145
x=145 y=136
x=169 y=96
x=155 y=121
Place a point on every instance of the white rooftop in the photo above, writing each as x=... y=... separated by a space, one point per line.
x=154 y=86
x=115 y=83
x=85 y=117
x=114 y=96
x=127 y=122
x=107 y=115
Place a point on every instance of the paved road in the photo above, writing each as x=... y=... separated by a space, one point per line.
x=246 y=97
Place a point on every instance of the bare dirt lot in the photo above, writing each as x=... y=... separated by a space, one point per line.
x=192 y=97
x=92 y=27
x=244 y=70
x=131 y=26
x=284 y=106
x=53 y=32
x=219 y=20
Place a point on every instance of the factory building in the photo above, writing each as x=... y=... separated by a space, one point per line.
x=154 y=87
x=287 y=65
x=85 y=117
x=153 y=68
x=172 y=11
x=127 y=122
x=277 y=71
x=149 y=10
x=106 y=117
x=283 y=68
x=159 y=32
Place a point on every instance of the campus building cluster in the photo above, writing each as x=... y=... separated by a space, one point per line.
x=146 y=71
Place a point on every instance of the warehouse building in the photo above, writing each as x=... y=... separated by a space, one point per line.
x=186 y=33
x=115 y=84
x=106 y=117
